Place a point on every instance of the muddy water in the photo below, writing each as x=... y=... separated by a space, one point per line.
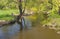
x=13 y=32
x=37 y=33
x=28 y=32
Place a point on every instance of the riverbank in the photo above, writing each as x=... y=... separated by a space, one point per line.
x=7 y=14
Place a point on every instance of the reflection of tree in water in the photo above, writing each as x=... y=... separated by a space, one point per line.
x=10 y=30
x=19 y=17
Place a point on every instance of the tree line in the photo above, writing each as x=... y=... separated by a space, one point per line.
x=52 y=6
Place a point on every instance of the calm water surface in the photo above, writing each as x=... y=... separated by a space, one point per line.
x=13 y=32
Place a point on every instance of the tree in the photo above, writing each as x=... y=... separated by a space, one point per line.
x=19 y=17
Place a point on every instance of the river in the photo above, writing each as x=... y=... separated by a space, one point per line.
x=28 y=32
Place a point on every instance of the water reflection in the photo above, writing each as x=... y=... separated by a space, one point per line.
x=9 y=31
x=13 y=32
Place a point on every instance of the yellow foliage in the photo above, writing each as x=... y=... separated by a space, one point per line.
x=32 y=17
x=34 y=8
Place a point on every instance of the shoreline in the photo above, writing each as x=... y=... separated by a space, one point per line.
x=4 y=22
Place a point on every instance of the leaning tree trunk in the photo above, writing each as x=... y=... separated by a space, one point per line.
x=19 y=17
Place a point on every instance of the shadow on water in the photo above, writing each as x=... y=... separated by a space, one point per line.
x=28 y=32
x=7 y=32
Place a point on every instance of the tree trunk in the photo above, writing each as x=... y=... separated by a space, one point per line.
x=19 y=17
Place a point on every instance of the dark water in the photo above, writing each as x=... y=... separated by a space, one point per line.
x=7 y=32
x=13 y=32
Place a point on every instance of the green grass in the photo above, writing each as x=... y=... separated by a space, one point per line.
x=6 y=14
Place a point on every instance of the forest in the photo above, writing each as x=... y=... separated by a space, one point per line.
x=43 y=9
x=29 y=19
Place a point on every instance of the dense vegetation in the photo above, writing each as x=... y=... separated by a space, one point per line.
x=39 y=7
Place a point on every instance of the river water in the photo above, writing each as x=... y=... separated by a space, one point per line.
x=28 y=32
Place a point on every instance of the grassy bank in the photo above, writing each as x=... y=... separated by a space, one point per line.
x=37 y=18
x=6 y=14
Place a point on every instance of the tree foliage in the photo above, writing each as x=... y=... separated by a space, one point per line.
x=37 y=6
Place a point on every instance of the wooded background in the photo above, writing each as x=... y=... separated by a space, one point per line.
x=39 y=7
